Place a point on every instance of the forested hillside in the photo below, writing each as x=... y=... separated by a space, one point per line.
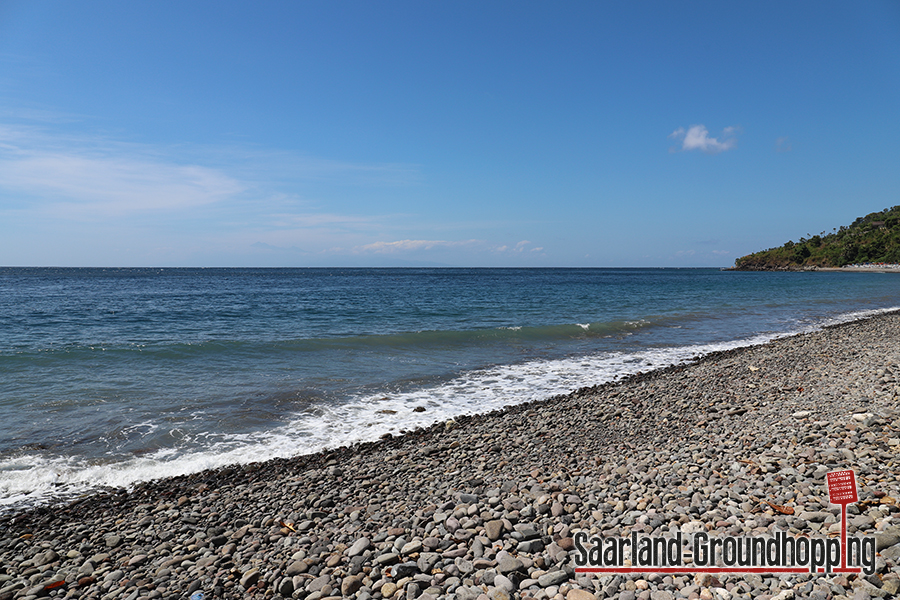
x=874 y=238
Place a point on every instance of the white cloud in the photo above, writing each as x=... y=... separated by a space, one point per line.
x=412 y=245
x=93 y=176
x=518 y=248
x=697 y=138
x=113 y=185
x=97 y=177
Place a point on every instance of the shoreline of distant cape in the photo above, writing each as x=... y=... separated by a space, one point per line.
x=859 y=269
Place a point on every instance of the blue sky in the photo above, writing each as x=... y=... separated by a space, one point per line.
x=440 y=133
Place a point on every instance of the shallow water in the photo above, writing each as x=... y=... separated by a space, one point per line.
x=111 y=376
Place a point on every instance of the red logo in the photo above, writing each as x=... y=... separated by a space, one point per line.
x=842 y=487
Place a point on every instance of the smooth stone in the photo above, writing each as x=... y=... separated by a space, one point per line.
x=863 y=522
x=350 y=585
x=465 y=566
x=466 y=593
x=45 y=558
x=388 y=589
x=286 y=587
x=412 y=591
x=814 y=517
x=891 y=553
x=318 y=583
x=861 y=585
x=552 y=578
x=426 y=561
x=387 y=559
x=508 y=564
x=297 y=567
x=885 y=540
x=407 y=569
x=891 y=586
x=250 y=578
x=493 y=529
x=114 y=575
x=359 y=546
x=496 y=594
x=504 y=583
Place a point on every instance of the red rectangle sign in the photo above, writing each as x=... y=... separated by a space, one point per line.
x=842 y=487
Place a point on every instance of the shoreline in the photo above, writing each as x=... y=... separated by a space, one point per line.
x=549 y=468
x=873 y=269
x=861 y=269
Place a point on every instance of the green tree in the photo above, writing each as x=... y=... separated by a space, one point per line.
x=850 y=253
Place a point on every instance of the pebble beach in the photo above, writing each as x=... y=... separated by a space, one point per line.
x=486 y=507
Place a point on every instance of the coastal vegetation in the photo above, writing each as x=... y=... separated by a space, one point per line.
x=874 y=238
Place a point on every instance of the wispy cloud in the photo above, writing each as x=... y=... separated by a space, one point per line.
x=414 y=245
x=93 y=177
x=276 y=166
x=326 y=220
x=697 y=137
x=783 y=144
x=111 y=185
x=319 y=169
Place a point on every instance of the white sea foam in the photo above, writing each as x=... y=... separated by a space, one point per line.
x=33 y=478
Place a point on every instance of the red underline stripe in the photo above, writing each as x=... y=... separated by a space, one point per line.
x=798 y=570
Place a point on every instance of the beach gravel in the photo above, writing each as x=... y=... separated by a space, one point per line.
x=486 y=507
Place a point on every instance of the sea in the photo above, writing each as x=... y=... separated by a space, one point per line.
x=114 y=376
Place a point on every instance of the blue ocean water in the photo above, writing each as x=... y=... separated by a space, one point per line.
x=113 y=376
